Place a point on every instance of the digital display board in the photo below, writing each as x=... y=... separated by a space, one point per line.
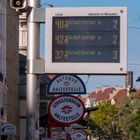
x=86 y=39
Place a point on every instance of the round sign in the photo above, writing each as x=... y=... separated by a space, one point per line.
x=78 y=135
x=66 y=109
x=41 y=130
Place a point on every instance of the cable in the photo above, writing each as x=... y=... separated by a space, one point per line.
x=134 y=28
x=87 y=80
x=48 y=4
x=133 y=63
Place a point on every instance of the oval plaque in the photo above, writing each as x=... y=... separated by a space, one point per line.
x=66 y=109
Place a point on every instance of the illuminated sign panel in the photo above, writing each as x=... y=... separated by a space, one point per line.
x=86 y=40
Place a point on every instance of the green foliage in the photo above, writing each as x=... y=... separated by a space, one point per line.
x=130 y=118
x=105 y=122
x=117 y=122
x=137 y=116
x=105 y=115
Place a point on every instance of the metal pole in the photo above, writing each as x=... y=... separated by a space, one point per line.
x=32 y=79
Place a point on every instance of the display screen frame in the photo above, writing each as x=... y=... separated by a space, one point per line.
x=82 y=66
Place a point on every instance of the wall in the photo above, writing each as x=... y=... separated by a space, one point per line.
x=11 y=66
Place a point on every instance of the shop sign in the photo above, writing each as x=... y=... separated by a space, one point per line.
x=8 y=129
x=54 y=134
x=66 y=84
x=63 y=135
x=69 y=130
x=78 y=135
x=66 y=109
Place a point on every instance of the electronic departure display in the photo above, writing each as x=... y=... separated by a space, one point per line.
x=86 y=39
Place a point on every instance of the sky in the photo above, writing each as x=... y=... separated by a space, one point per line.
x=92 y=81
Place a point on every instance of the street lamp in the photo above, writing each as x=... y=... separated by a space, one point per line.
x=138 y=79
x=84 y=123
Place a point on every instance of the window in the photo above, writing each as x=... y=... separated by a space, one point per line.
x=43 y=108
x=43 y=90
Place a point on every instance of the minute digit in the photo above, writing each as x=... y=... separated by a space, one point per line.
x=115 y=24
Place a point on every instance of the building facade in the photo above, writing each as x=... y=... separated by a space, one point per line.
x=22 y=75
x=9 y=68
